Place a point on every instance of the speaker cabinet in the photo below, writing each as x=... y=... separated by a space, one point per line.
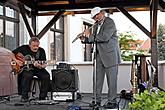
x=64 y=80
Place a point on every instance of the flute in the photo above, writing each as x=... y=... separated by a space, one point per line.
x=81 y=34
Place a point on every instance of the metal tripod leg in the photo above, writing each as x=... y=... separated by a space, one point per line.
x=95 y=104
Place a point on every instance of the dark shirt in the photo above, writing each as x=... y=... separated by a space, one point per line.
x=25 y=51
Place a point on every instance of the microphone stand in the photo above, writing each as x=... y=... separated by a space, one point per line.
x=94 y=51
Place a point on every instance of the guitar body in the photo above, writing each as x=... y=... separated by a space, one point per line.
x=15 y=67
x=27 y=62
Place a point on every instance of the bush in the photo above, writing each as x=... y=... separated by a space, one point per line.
x=148 y=100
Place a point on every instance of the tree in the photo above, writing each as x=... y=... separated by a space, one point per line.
x=125 y=42
x=161 y=42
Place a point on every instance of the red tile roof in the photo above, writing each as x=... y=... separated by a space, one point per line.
x=146 y=45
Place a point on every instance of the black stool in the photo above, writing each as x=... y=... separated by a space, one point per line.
x=34 y=84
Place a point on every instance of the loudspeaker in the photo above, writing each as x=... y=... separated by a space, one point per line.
x=64 y=80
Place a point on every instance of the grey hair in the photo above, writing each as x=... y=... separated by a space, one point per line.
x=34 y=39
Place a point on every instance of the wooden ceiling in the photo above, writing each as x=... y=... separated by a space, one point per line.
x=49 y=5
x=83 y=6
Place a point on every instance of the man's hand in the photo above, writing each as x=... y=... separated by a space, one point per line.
x=86 y=32
x=40 y=66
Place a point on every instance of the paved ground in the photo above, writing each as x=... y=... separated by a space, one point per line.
x=83 y=103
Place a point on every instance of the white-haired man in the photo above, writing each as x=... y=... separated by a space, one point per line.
x=107 y=55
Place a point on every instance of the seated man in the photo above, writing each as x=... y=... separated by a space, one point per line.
x=30 y=68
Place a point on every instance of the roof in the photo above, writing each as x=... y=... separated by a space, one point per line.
x=146 y=46
x=84 y=6
x=135 y=44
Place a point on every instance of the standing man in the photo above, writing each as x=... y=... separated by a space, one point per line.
x=37 y=54
x=107 y=54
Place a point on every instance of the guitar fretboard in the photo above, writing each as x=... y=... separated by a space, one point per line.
x=32 y=62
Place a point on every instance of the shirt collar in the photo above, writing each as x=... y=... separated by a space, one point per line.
x=101 y=22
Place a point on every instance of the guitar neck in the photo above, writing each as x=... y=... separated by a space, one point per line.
x=32 y=62
x=28 y=59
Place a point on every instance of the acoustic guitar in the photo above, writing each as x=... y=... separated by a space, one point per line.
x=27 y=62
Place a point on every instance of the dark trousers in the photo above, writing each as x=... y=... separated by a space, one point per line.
x=25 y=79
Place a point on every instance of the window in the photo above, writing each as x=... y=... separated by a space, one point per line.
x=10 y=12
x=9 y=21
x=1 y=10
x=10 y=37
x=53 y=40
x=57 y=46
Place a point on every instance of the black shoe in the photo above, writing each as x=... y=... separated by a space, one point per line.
x=93 y=103
x=24 y=100
x=111 y=105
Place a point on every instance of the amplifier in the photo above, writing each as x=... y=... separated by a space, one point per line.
x=64 y=80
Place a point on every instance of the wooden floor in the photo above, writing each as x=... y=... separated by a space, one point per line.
x=82 y=101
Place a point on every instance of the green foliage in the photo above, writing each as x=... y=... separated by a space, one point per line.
x=125 y=40
x=161 y=42
x=148 y=101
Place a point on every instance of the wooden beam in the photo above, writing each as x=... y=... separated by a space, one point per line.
x=154 y=56
x=56 y=30
x=87 y=11
x=50 y=24
x=65 y=13
x=23 y=13
x=62 y=2
x=141 y=27
x=34 y=20
x=29 y=3
x=88 y=5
